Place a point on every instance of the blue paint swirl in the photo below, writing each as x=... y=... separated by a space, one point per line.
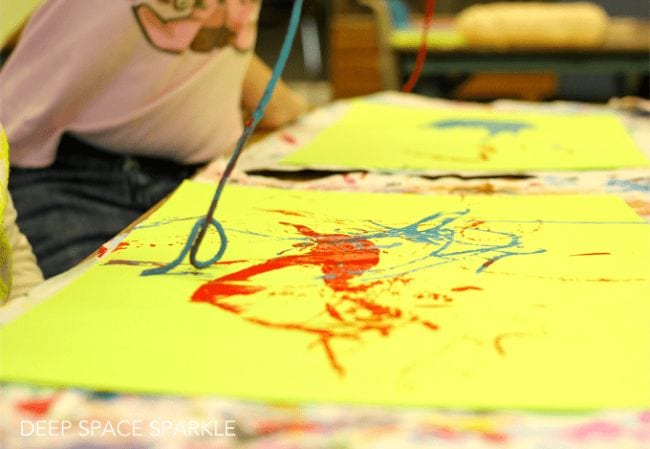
x=493 y=127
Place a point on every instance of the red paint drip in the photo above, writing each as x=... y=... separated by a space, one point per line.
x=431 y=326
x=446 y=433
x=463 y=289
x=331 y=357
x=288 y=138
x=349 y=180
x=37 y=407
x=268 y=428
x=333 y=313
x=212 y=292
x=495 y=437
x=498 y=341
x=596 y=430
x=121 y=246
x=592 y=254
x=285 y=212
x=487 y=263
x=230 y=262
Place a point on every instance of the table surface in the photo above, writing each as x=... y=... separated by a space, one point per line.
x=327 y=426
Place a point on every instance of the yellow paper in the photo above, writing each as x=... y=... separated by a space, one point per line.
x=481 y=302
x=379 y=136
x=12 y=15
x=441 y=38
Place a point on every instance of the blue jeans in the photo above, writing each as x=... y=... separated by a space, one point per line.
x=69 y=209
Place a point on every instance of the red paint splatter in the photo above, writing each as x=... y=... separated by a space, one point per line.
x=349 y=180
x=475 y=224
x=494 y=437
x=285 y=212
x=487 y=263
x=486 y=152
x=446 y=433
x=325 y=341
x=592 y=254
x=430 y=325
x=230 y=262
x=289 y=138
x=121 y=246
x=498 y=341
x=101 y=252
x=36 y=407
x=268 y=428
x=332 y=312
x=597 y=430
x=342 y=259
x=465 y=288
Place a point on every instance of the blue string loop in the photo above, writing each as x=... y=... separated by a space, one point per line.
x=187 y=248
x=200 y=228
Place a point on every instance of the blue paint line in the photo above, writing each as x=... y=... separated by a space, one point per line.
x=570 y=222
x=630 y=185
x=493 y=127
x=440 y=234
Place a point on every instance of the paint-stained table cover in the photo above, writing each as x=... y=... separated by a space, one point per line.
x=539 y=302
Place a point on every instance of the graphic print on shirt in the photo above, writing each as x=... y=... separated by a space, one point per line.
x=199 y=25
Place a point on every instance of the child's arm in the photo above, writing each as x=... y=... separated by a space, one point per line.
x=25 y=271
x=285 y=105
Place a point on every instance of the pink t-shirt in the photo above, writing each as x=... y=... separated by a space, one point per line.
x=158 y=78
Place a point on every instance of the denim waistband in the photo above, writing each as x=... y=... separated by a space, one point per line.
x=75 y=153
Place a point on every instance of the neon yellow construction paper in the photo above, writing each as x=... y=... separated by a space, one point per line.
x=411 y=38
x=483 y=302
x=387 y=137
x=12 y=15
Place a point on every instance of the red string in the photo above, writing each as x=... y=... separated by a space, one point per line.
x=422 y=52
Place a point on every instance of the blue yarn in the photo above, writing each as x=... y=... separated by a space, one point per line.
x=399 y=13
x=188 y=245
x=197 y=234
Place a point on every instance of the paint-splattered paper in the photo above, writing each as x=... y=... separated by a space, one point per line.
x=388 y=137
x=478 y=302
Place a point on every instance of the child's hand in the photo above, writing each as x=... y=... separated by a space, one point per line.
x=285 y=105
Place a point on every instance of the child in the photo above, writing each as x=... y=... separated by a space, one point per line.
x=109 y=105
x=18 y=269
